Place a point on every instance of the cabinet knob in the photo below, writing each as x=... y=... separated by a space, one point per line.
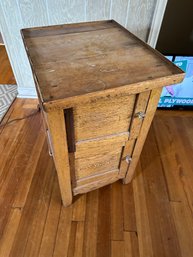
x=140 y=115
x=128 y=159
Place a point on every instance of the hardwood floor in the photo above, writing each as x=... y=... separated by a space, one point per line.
x=152 y=216
x=6 y=72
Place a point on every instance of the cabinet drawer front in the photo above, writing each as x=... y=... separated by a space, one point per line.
x=94 y=182
x=104 y=117
x=98 y=156
x=98 y=163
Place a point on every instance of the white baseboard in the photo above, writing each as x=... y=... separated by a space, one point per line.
x=26 y=92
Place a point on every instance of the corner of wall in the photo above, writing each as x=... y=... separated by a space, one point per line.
x=26 y=92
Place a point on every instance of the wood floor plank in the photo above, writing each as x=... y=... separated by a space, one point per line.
x=79 y=239
x=12 y=171
x=183 y=143
x=169 y=157
x=142 y=217
x=72 y=240
x=28 y=171
x=131 y=245
x=63 y=232
x=151 y=217
x=79 y=208
x=129 y=208
x=91 y=221
x=6 y=72
x=117 y=212
x=75 y=248
x=51 y=225
x=183 y=219
x=8 y=237
x=117 y=249
x=164 y=237
x=10 y=133
x=28 y=237
x=104 y=223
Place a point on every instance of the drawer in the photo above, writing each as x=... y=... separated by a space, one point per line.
x=98 y=156
x=94 y=182
x=103 y=117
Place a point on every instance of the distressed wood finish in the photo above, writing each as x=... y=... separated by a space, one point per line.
x=98 y=87
x=152 y=105
x=106 y=117
x=152 y=216
x=57 y=129
x=48 y=12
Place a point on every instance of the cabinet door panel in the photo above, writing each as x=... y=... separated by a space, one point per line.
x=103 y=117
x=105 y=135
x=93 y=157
x=139 y=114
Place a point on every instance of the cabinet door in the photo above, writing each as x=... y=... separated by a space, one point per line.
x=104 y=132
x=138 y=117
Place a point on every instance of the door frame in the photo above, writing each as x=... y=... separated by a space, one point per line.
x=156 y=22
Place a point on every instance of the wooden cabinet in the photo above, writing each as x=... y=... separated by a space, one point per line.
x=98 y=87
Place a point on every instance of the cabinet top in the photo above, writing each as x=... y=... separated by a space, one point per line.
x=93 y=58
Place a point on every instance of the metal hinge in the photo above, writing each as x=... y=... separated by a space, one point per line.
x=128 y=159
x=140 y=115
x=49 y=143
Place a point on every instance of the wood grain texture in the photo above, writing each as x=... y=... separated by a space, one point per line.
x=79 y=208
x=96 y=178
x=91 y=222
x=51 y=224
x=153 y=101
x=184 y=226
x=6 y=72
x=131 y=245
x=117 y=232
x=108 y=117
x=126 y=156
x=99 y=181
x=139 y=111
x=10 y=232
x=47 y=12
x=57 y=128
x=166 y=230
x=142 y=214
x=94 y=157
x=88 y=61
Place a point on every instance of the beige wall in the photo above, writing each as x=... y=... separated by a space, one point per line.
x=136 y=15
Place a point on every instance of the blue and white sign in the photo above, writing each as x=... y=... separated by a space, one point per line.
x=180 y=94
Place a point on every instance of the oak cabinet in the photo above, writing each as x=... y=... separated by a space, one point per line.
x=98 y=87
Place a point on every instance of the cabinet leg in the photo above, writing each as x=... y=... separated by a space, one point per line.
x=56 y=124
